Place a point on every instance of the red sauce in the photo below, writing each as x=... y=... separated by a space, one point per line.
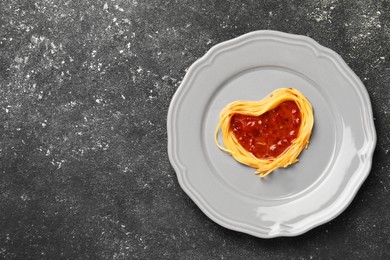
x=268 y=135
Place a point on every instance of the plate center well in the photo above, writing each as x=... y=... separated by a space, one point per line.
x=315 y=162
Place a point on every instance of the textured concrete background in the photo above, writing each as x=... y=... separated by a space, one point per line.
x=84 y=91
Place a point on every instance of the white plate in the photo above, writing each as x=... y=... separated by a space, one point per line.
x=290 y=201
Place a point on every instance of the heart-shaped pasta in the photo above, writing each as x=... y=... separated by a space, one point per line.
x=267 y=134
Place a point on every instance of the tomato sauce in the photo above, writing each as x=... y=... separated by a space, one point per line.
x=270 y=134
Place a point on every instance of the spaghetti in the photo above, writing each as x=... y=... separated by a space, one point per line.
x=267 y=134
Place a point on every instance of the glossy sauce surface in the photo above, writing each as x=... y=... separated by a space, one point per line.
x=270 y=134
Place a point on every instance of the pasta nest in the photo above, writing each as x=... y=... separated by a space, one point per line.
x=265 y=166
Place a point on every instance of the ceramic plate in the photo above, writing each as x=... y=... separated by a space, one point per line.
x=290 y=201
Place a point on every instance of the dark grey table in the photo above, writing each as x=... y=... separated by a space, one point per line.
x=84 y=92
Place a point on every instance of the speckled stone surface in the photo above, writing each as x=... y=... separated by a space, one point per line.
x=84 y=91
